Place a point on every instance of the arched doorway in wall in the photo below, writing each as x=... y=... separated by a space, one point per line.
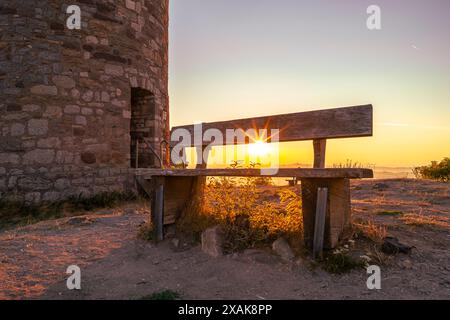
x=142 y=128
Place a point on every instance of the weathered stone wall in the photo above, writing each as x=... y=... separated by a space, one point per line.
x=65 y=95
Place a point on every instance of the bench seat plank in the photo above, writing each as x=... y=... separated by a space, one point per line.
x=350 y=173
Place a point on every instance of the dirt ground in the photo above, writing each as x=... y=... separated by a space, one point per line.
x=116 y=265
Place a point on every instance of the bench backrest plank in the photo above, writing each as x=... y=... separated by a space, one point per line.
x=345 y=122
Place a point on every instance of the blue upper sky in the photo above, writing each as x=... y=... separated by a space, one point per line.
x=242 y=58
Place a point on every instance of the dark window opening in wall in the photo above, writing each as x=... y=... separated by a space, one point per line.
x=142 y=128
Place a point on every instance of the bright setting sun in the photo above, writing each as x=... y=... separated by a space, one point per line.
x=258 y=148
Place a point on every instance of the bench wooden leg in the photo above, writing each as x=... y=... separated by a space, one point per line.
x=171 y=198
x=157 y=208
x=178 y=197
x=337 y=209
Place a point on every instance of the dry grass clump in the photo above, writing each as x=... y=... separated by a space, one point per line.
x=248 y=221
x=352 y=164
x=370 y=230
x=374 y=235
x=340 y=262
x=378 y=257
x=421 y=220
x=21 y=213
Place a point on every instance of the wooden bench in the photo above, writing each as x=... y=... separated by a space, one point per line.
x=325 y=191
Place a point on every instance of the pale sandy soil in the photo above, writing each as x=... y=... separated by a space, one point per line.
x=114 y=264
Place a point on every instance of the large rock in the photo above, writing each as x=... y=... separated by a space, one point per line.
x=212 y=241
x=282 y=248
x=392 y=245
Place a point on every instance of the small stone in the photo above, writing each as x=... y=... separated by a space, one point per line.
x=113 y=70
x=81 y=120
x=212 y=241
x=407 y=264
x=176 y=242
x=52 y=142
x=62 y=184
x=37 y=127
x=72 y=109
x=282 y=248
x=31 y=108
x=88 y=157
x=12 y=182
x=32 y=197
x=78 y=131
x=119 y=103
x=53 y=112
x=105 y=96
x=130 y=4
x=41 y=156
x=28 y=144
x=64 y=157
x=126 y=114
x=75 y=93
x=63 y=82
x=10 y=158
x=91 y=40
x=300 y=262
x=130 y=211
x=17 y=129
x=76 y=221
x=13 y=107
x=87 y=111
x=44 y=90
x=88 y=96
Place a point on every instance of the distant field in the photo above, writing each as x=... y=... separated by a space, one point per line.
x=392 y=172
x=379 y=173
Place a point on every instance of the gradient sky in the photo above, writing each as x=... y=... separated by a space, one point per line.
x=242 y=58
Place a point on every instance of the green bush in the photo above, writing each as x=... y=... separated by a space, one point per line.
x=338 y=263
x=145 y=232
x=435 y=171
x=162 y=295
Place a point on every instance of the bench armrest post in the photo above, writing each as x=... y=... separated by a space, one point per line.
x=204 y=162
x=319 y=152
x=320 y=219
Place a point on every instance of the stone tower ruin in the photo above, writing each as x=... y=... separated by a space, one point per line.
x=81 y=108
